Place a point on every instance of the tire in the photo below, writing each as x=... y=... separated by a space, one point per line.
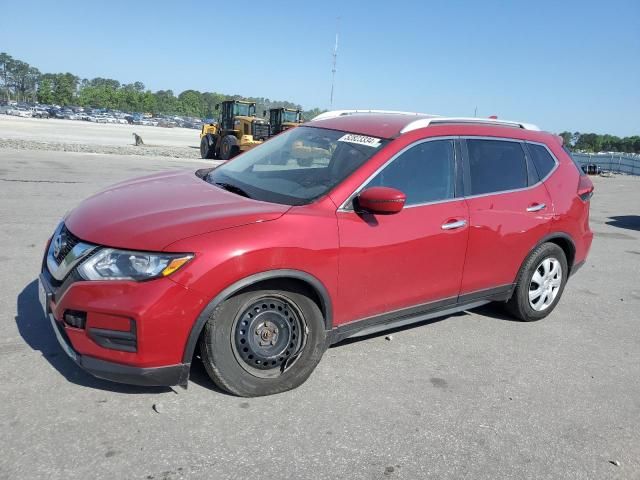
x=245 y=375
x=207 y=151
x=544 y=295
x=229 y=147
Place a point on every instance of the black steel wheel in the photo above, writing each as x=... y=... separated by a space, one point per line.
x=269 y=334
x=263 y=341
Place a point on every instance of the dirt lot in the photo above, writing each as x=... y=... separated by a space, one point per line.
x=474 y=395
x=80 y=136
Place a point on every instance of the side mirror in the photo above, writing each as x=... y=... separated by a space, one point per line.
x=264 y=113
x=381 y=200
x=217 y=106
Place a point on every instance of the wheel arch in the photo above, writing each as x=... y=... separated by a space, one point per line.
x=563 y=240
x=315 y=287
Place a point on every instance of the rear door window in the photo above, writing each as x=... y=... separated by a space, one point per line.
x=496 y=166
x=542 y=159
x=424 y=173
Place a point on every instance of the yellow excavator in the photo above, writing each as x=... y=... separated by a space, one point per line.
x=237 y=130
x=281 y=119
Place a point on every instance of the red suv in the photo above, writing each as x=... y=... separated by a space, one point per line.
x=351 y=224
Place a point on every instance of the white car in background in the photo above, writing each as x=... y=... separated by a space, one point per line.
x=21 y=112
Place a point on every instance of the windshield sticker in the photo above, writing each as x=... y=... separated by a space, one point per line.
x=360 y=140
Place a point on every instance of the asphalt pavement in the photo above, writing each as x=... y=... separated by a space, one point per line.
x=474 y=395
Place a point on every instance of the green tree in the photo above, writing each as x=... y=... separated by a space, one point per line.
x=45 y=90
x=166 y=102
x=64 y=88
x=6 y=62
x=191 y=103
x=566 y=138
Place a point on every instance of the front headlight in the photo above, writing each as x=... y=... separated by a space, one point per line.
x=112 y=264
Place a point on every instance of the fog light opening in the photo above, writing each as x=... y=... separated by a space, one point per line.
x=75 y=318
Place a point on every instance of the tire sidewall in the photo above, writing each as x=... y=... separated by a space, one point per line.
x=226 y=149
x=218 y=352
x=204 y=148
x=544 y=251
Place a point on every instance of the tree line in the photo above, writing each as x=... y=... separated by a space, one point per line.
x=24 y=83
x=594 y=142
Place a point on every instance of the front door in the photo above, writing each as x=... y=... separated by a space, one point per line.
x=414 y=257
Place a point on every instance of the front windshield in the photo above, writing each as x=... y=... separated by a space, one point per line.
x=297 y=166
x=289 y=116
x=243 y=110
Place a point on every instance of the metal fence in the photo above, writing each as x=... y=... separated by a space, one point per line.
x=614 y=162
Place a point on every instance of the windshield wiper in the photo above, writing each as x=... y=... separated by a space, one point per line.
x=232 y=188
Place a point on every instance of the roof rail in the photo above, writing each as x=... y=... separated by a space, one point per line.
x=340 y=113
x=425 y=122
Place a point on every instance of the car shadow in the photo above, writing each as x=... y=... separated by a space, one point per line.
x=495 y=310
x=630 y=222
x=199 y=375
x=36 y=331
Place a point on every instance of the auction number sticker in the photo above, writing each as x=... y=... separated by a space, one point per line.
x=360 y=140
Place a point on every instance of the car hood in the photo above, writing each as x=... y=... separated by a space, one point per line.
x=149 y=213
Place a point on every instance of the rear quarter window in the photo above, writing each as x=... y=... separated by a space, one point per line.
x=542 y=159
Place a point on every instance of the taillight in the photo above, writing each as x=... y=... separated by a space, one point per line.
x=585 y=188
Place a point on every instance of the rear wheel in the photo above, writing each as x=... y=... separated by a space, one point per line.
x=540 y=284
x=262 y=342
x=229 y=147
x=207 y=150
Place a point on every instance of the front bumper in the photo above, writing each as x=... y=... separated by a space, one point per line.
x=165 y=375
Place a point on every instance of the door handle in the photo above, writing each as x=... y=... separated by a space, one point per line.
x=453 y=225
x=536 y=207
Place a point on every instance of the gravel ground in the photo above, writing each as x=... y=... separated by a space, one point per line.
x=146 y=150
x=77 y=136
x=55 y=131
x=471 y=396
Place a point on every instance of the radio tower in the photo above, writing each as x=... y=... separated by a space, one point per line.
x=333 y=66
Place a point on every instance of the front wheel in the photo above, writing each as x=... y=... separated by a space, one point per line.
x=206 y=150
x=540 y=284
x=262 y=342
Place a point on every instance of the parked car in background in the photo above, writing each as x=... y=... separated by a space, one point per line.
x=39 y=112
x=20 y=112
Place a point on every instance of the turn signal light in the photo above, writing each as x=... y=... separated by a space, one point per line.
x=174 y=265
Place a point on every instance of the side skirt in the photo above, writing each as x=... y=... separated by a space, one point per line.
x=420 y=313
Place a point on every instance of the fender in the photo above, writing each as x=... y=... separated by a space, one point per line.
x=309 y=279
x=546 y=238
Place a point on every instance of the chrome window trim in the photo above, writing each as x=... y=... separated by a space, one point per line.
x=344 y=206
x=344 y=209
x=555 y=160
x=517 y=140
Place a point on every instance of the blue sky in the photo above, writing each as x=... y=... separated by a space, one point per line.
x=561 y=64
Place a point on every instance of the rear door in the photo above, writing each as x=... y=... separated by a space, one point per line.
x=509 y=212
x=391 y=262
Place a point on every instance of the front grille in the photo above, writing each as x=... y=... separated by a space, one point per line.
x=260 y=131
x=67 y=241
